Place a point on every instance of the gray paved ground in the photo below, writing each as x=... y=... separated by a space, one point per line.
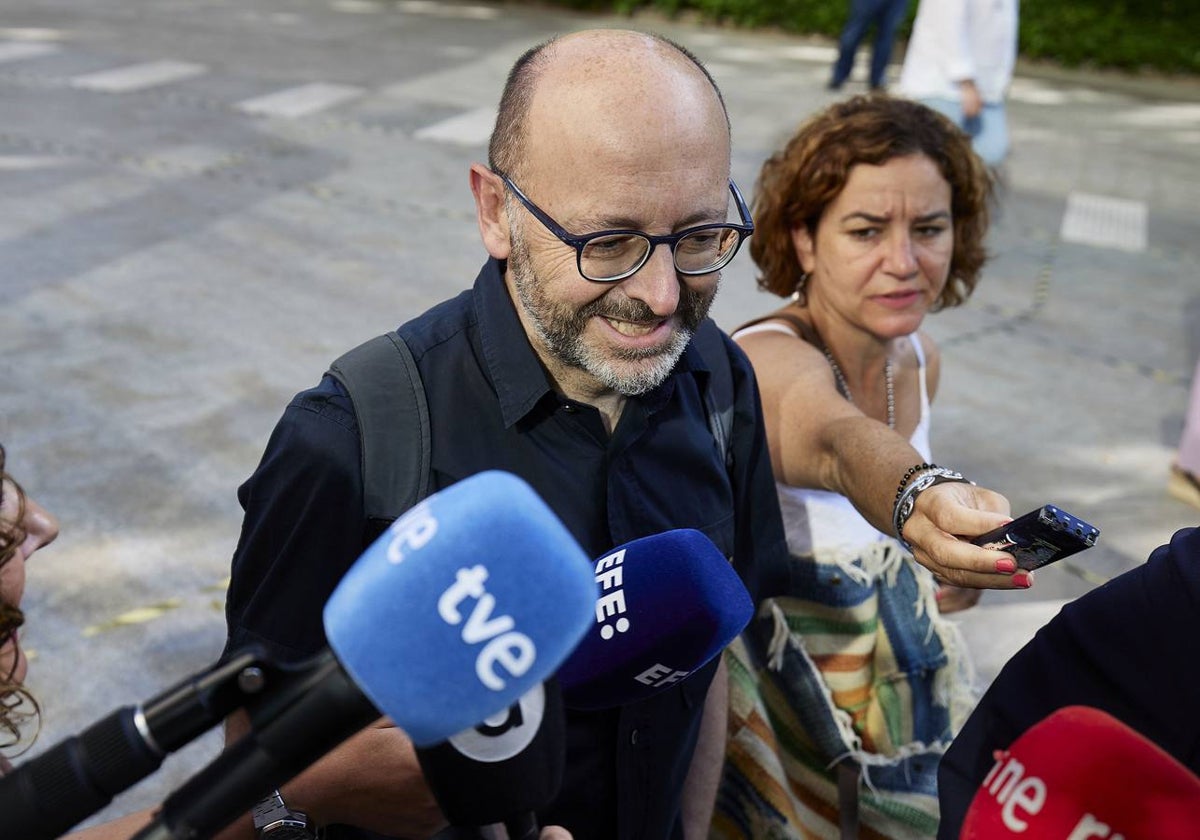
x=180 y=255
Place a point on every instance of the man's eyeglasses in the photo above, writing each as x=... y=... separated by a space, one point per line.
x=611 y=255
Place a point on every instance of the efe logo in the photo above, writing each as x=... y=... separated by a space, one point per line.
x=609 y=575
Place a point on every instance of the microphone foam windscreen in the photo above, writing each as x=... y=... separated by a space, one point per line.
x=463 y=605
x=668 y=604
x=1082 y=773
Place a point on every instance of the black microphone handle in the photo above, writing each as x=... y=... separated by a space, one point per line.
x=522 y=826
x=329 y=710
x=45 y=797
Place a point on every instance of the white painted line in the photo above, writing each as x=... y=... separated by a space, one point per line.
x=824 y=55
x=32 y=33
x=464 y=85
x=300 y=101
x=447 y=10
x=356 y=7
x=138 y=76
x=470 y=129
x=743 y=54
x=19 y=163
x=1163 y=116
x=1105 y=222
x=1035 y=93
x=18 y=50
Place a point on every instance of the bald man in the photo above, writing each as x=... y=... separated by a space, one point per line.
x=607 y=213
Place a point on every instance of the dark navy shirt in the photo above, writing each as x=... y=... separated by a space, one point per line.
x=492 y=406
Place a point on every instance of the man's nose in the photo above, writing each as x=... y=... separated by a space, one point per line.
x=656 y=283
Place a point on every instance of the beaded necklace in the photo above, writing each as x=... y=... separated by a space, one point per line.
x=888 y=382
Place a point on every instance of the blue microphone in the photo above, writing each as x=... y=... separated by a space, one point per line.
x=469 y=601
x=667 y=605
x=463 y=605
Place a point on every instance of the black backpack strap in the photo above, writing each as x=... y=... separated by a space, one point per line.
x=718 y=398
x=385 y=386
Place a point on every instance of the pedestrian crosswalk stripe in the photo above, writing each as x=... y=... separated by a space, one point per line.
x=300 y=101
x=138 y=76
x=18 y=50
x=448 y=10
x=358 y=7
x=1105 y=222
x=18 y=163
x=469 y=129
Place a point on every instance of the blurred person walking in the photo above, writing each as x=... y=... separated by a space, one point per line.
x=886 y=16
x=959 y=61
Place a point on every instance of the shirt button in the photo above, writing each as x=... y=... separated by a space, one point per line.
x=633 y=737
x=570 y=409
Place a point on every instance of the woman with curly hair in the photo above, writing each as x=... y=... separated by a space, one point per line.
x=870 y=217
x=25 y=527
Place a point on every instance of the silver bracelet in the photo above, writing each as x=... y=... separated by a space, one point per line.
x=908 y=499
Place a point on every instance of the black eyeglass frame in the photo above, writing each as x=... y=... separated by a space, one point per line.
x=745 y=229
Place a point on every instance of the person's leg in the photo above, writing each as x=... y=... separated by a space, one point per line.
x=991 y=139
x=890 y=15
x=861 y=13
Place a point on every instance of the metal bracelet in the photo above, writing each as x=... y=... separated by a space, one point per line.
x=907 y=500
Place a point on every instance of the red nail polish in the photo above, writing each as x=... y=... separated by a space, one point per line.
x=1006 y=566
x=1023 y=581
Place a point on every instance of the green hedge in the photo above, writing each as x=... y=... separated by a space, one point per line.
x=1136 y=35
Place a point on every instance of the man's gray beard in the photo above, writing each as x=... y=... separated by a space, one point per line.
x=560 y=329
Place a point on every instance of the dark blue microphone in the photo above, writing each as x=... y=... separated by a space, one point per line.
x=667 y=605
x=464 y=604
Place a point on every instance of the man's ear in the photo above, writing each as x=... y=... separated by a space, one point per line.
x=802 y=241
x=488 y=190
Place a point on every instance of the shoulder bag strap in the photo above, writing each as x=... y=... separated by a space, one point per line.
x=385 y=386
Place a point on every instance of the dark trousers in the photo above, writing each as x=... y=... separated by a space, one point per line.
x=886 y=15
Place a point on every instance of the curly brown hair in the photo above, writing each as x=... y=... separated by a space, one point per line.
x=17 y=705
x=799 y=181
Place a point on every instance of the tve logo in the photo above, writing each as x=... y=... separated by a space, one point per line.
x=609 y=574
x=506 y=648
x=411 y=532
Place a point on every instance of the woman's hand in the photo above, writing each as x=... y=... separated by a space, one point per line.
x=944 y=519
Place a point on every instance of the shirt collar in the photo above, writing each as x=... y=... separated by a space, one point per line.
x=514 y=368
x=513 y=365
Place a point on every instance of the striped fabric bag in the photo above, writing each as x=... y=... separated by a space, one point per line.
x=853 y=673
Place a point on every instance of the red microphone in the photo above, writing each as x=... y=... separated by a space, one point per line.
x=1081 y=773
